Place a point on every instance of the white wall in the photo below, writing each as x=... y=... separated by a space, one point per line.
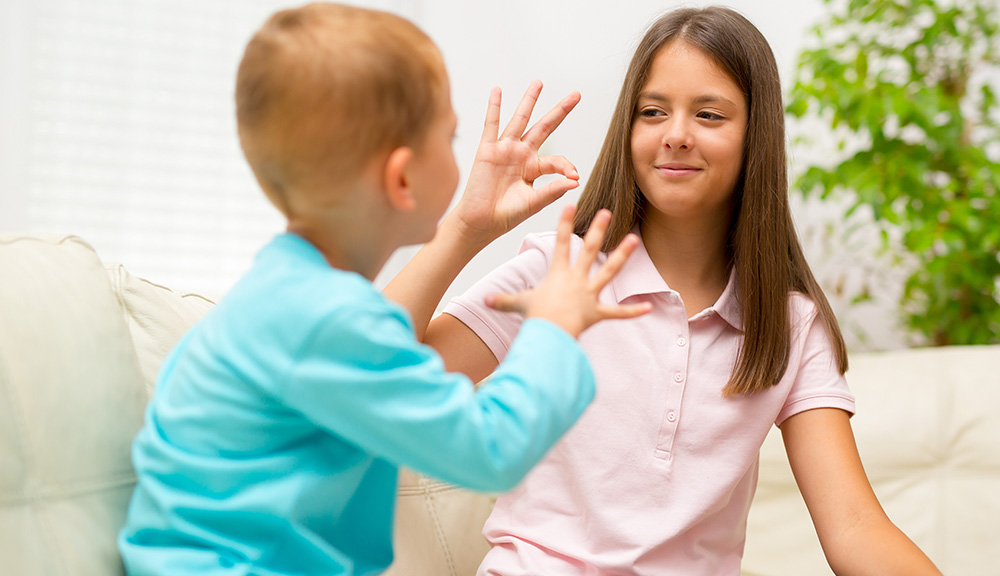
x=116 y=119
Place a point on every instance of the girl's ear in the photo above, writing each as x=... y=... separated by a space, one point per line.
x=395 y=180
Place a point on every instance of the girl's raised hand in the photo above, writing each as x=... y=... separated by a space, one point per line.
x=500 y=193
x=568 y=295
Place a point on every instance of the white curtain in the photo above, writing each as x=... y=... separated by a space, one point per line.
x=118 y=126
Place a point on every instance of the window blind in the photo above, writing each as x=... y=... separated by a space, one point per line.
x=128 y=135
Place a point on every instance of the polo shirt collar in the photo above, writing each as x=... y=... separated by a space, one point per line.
x=639 y=276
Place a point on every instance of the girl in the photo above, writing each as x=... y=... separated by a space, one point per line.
x=658 y=475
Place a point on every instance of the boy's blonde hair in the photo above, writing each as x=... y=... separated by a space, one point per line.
x=323 y=88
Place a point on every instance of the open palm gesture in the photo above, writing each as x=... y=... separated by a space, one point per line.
x=569 y=295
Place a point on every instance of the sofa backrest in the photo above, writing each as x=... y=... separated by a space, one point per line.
x=79 y=347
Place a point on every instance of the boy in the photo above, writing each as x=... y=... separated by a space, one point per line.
x=272 y=442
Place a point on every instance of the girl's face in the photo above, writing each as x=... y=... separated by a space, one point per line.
x=687 y=136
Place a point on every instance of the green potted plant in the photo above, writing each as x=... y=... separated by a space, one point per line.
x=906 y=92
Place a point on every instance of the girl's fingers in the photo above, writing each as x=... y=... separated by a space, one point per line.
x=614 y=262
x=593 y=240
x=557 y=165
x=547 y=125
x=624 y=311
x=564 y=231
x=515 y=128
x=492 y=125
x=505 y=302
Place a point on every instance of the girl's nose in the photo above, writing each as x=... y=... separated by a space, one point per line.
x=677 y=135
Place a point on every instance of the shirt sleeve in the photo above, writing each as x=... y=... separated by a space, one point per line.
x=367 y=379
x=497 y=329
x=818 y=382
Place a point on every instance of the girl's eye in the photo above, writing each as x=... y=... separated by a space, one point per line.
x=709 y=116
x=650 y=112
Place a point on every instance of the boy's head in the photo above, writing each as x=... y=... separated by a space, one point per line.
x=322 y=90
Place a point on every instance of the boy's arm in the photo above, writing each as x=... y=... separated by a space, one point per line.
x=362 y=376
x=499 y=195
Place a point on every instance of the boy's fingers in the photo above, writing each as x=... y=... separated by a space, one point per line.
x=553 y=191
x=504 y=302
x=515 y=128
x=614 y=262
x=593 y=240
x=623 y=311
x=547 y=125
x=557 y=165
x=492 y=125
x=560 y=256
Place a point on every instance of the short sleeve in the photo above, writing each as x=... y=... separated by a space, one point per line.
x=363 y=376
x=524 y=271
x=817 y=381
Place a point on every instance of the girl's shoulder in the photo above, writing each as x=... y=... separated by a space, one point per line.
x=545 y=242
x=802 y=311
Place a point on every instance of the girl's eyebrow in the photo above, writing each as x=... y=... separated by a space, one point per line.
x=703 y=99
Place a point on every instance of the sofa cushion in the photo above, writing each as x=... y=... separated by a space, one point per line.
x=71 y=400
x=156 y=317
x=928 y=431
x=438 y=529
x=80 y=348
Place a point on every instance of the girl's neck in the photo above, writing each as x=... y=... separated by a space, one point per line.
x=691 y=257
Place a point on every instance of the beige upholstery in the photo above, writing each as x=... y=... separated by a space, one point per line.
x=76 y=347
x=80 y=346
x=438 y=528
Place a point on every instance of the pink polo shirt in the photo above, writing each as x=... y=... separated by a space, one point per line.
x=657 y=476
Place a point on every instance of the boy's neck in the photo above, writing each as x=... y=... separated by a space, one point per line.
x=345 y=244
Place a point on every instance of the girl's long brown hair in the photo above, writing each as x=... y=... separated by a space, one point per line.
x=764 y=248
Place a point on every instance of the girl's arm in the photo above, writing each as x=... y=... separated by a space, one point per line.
x=460 y=347
x=857 y=536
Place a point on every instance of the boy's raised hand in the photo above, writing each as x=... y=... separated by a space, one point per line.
x=567 y=296
x=500 y=193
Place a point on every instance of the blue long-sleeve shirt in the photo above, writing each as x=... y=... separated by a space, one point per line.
x=272 y=442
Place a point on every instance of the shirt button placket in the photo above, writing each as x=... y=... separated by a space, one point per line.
x=674 y=396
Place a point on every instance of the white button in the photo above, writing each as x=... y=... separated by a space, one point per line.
x=671 y=416
x=682 y=341
x=678 y=377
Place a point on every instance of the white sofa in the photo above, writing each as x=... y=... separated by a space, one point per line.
x=81 y=342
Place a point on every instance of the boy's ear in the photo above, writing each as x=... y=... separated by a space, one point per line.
x=395 y=179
